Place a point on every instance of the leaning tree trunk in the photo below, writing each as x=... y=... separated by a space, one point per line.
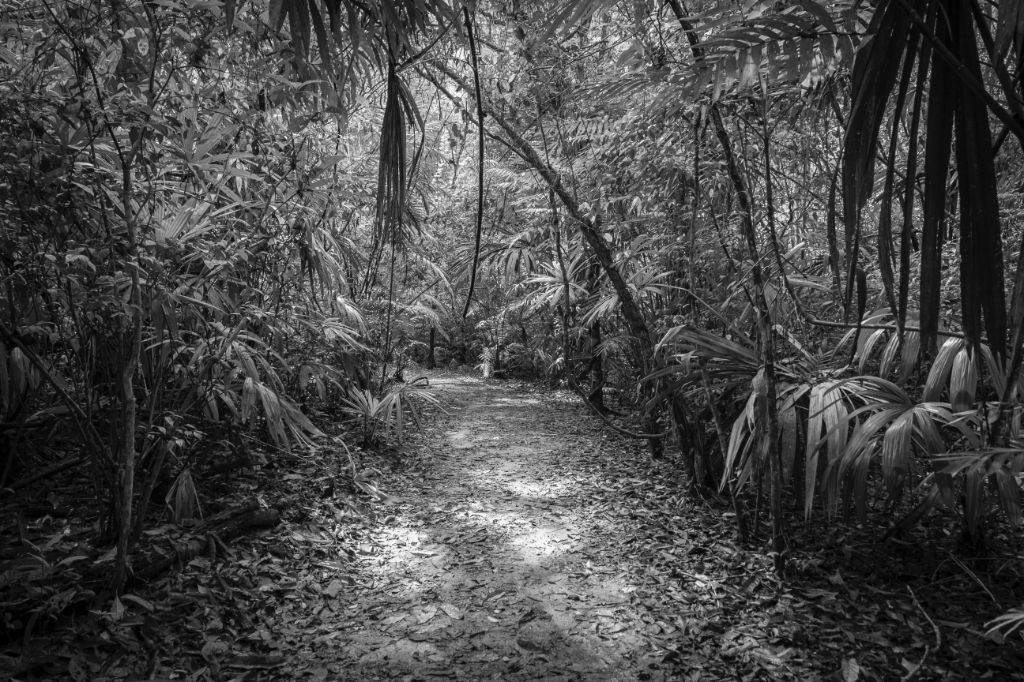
x=591 y=230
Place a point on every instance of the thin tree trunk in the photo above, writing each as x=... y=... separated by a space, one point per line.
x=125 y=489
x=596 y=396
x=766 y=343
x=766 y=338
x=686 y=450
x=431 y=363
x=723 y=442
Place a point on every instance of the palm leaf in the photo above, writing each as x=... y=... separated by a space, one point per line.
x=897 y=452
x=981 y=249
x=963 y=380
x=941 y=368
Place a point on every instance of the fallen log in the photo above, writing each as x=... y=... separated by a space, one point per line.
x=223 y=527
x=85 y=588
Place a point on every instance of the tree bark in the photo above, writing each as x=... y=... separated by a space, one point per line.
x=431 y=363
x=596 y=396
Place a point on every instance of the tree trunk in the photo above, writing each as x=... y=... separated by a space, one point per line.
x=590 y=229
x=125 y=479
x=596 y=396
x=764 y=382
x=431 y=363
x=682 y=429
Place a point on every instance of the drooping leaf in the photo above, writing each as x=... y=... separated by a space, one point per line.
x=940 y=369
x=942 y=96
x=981 y=248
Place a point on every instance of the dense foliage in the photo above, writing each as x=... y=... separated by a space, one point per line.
x=783 y=237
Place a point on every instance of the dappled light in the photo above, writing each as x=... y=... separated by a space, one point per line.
x=511 y=340
x=546 y=490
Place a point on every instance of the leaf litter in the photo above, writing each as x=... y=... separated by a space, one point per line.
x=517 y=539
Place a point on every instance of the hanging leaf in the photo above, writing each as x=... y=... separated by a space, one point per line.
x=981 y=248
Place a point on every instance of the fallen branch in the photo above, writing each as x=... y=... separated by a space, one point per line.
x=49 y=471
x=912 y=673
x=615 y=427
x=222 y=527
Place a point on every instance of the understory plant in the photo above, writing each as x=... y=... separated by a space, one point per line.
x=839 y=431
x=382 y=417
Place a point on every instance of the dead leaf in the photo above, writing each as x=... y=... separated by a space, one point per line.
x=529 y=644
x=116 y=610
x=850 y=670
x=78 y=670
x=452 y=611
x=255 y=662
x=212 y=650
x=424 y=613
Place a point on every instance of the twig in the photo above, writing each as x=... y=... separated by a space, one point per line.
x=78 y=415
x=927 y=650
x=615 y=427
x=47 y=472
x=351 y=459
x=974 y=576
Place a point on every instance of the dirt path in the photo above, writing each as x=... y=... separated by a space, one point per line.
x=529 y=543
x=496 y=565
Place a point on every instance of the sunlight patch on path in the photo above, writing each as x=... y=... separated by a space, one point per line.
x=494 y=567
x=538 y=489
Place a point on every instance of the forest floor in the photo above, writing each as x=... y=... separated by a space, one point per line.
x=517 y=538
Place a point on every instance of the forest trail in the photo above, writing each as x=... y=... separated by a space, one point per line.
x=504 y=558
x=520 y=539
x=526 y=541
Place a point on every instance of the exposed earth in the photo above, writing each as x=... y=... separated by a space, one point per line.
x=506 y=558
